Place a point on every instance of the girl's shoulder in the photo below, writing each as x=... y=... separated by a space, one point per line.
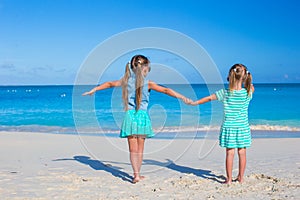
x=243 y=90
x=233 y=93
x=226 y=93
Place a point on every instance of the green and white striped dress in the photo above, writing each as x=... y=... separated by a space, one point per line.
x=235 y=130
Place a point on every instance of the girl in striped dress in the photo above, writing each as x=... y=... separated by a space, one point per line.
x=136 y=125
x=235 y=129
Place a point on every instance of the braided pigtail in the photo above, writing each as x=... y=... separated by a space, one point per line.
x=124 y=86
x=136 y=65
x=248 y=82
x=139 y=83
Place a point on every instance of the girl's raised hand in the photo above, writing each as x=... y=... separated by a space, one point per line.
x=88 y=93
x=187 y=100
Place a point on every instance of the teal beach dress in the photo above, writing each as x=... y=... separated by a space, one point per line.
x=235 y=130
x=137 y=123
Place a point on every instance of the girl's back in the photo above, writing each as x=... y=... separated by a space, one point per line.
x=236 y=104
x=131 y=88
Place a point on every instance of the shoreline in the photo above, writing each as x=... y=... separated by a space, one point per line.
x=49 y=166
x=169 y=135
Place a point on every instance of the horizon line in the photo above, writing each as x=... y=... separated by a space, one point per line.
x=258 y=83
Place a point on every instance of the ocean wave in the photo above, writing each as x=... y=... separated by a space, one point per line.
x=217 y=128
x=39 y=129
x=273 y=128
x=97 y=130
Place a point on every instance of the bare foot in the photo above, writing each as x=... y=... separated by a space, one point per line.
x=240 y=180
x=135 y=180
x=227 y=182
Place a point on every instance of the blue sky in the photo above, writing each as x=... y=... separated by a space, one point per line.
x=46 y=41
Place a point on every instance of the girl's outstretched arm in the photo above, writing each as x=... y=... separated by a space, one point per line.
x=204 y=100
x=153 y=86
x=104 y=86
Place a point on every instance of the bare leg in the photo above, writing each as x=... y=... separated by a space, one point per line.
x=141 y=143
x=136 y=149
x=229 y=163
x=242 y=164
x=133 y=149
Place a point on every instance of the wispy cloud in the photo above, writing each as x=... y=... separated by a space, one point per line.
x=46 y=69
x=60 y=70
x=10 y=67
x=12 y=73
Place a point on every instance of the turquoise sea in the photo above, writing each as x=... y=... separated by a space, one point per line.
x=274 y=111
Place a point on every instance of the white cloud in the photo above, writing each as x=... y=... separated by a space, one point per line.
x=10 y=67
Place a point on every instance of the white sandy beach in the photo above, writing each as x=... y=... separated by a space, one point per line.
x=49 y=166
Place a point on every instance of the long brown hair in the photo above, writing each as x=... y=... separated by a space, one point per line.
x=237 y=73
x=136 y=64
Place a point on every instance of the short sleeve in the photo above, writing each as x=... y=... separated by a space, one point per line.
x=220 y=94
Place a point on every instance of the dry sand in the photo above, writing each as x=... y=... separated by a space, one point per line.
x=49 y=166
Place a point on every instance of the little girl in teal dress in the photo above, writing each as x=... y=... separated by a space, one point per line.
x=136 y=126
x=136 y=122
x=235 y=129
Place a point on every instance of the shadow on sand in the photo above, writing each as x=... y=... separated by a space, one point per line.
x=206 y=174
x=116 y=171
x=98 y=165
